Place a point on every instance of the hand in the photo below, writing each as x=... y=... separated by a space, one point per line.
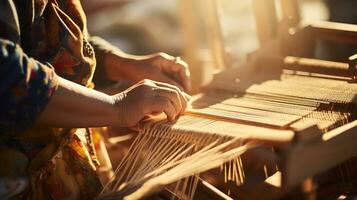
x=165 y=68
x=149 y=97
x=159 y=67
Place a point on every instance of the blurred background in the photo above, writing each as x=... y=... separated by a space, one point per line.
x=148 y=26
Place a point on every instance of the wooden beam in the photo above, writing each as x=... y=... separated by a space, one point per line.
x=332 y=31
x=213 y=30
x=190 y=40
x=303 y=161
x=265 y=19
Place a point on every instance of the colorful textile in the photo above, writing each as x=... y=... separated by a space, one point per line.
x=39 y=39
x=25 y=87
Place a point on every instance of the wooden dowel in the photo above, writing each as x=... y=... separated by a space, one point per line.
x=207 y=191
x=308 y=65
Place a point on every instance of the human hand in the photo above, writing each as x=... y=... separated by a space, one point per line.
x=149 y=97
x=159 y=67
x=165 y=68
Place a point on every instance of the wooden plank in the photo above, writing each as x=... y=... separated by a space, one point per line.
x=308 y=133
x=303 y=161
x=339 y=32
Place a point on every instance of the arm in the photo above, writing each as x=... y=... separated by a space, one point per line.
x=114 y=64
x=31 y=92
x=73 y=105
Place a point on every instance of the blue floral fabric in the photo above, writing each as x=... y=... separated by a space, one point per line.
x=25 y=87
x=39 y=41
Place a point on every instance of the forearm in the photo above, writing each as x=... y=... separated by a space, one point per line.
x=115 y=65
x=73 y=105
x=120 y=65
x=112 y=62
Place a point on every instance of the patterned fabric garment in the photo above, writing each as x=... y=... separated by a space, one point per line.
x=39 y=39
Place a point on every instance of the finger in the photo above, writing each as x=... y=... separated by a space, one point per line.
x=172 y=95
x=183 y=77
x=184 y=98
x=166 y=79
x=178 y=70
x=174 y=87
x=162 y=104
x=183 y=73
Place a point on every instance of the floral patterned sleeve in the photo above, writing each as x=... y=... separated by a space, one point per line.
x=25 y=87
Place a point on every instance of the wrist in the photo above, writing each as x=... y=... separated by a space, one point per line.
x=120 y=65
x=119 y=109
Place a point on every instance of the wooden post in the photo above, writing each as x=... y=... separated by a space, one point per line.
x=193 y=13
x=191 y=50
x=265 y=19
x=290 y=10
x=213 y=31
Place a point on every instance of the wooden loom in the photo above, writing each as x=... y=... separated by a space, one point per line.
x=304 y=108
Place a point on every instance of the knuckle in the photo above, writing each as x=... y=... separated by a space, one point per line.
x=157 y=57
x=184 y=64
x=149 y=83
x=145 y=81
x=146 y=86
x=162 y=54
x=176 y=88
x=141 y=82
x=175 y=92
